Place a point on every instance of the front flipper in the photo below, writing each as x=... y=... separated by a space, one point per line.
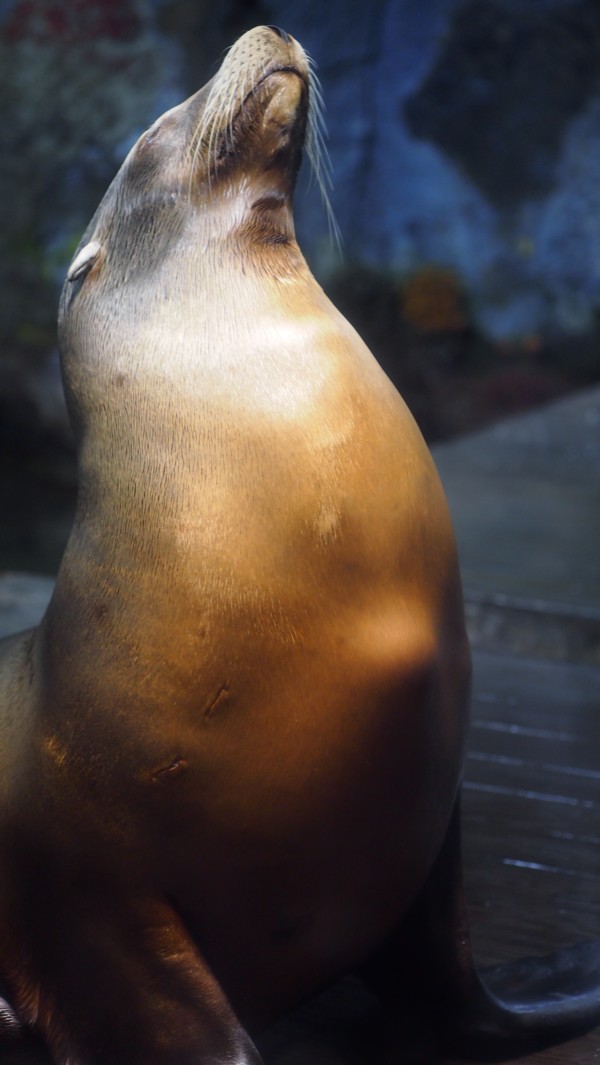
x=123 y=984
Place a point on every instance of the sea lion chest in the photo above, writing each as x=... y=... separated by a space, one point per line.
x=249 y=639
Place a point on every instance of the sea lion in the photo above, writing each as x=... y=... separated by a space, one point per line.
x=232 y=748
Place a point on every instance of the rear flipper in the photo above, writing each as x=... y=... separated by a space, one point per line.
x=530 y=1002
x=554 y=996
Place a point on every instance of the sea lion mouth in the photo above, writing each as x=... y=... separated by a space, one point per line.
x=278 y=70
x=222 y=130
x=294 y=103
x=234 y=103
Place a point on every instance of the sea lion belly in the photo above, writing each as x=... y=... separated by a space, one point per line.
x=278 y=661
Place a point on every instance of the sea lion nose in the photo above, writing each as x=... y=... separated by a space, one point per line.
x=280 y=33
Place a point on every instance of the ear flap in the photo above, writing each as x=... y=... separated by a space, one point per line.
x=84 y=260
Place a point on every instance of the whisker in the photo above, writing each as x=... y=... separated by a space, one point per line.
x=316 y=150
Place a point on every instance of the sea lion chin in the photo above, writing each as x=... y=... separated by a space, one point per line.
x=232 y=749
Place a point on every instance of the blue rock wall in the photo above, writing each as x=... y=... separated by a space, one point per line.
x=463 y=133
x=466 y=134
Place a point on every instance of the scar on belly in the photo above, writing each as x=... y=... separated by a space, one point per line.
x=175 y=768
x=221 y=697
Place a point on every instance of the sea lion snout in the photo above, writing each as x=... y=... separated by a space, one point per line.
x=260 y=93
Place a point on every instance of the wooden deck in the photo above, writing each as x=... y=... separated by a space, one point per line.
x=531 y=817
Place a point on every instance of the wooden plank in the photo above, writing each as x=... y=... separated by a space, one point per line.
x=532 y=817
x=531 y=823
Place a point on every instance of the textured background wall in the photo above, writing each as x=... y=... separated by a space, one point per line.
x=462 y=132
x=468 y=134
x=465 y=143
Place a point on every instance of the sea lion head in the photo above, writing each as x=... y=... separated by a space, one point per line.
x=216 y=171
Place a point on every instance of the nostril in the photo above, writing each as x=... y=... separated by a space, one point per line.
x=280 y=33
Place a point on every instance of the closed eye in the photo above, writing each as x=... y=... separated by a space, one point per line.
x=84 y=260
